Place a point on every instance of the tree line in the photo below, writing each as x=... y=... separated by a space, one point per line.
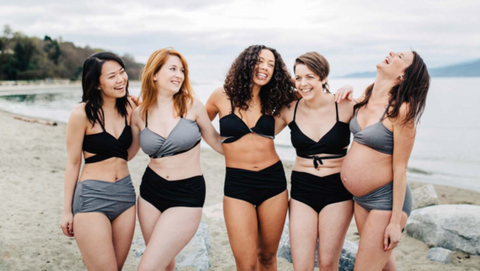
x=32 y=58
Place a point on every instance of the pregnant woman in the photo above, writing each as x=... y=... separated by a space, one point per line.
x=374 y=170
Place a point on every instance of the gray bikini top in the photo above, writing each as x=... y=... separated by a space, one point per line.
x=375 y=136
x=183 y=137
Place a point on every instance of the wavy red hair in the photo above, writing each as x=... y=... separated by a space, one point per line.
x=149 y=92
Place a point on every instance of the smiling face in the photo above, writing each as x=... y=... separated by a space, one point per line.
x=307 y=82
x=263 y=71
x=395 y=64
x=113 y=80
x=170 y=76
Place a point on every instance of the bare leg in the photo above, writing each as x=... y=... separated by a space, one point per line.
x=334 y=220
x=93 y=233
x=371 y=255
x=242 y=227
x=303 y=235
x=123 y=228
x=271 y=219
x=173 y=230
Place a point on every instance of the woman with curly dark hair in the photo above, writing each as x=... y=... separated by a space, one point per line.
x=255 y=204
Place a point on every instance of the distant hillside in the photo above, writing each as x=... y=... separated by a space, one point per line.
x=466 y=69
x=32 y=58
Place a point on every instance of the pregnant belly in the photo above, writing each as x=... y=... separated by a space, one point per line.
x=365 y=169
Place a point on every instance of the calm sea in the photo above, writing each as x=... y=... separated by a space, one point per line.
x=445 y=151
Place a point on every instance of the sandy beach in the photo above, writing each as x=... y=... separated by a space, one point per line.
x=32 y=163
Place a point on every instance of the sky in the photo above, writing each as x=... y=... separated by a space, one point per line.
x=353 y=35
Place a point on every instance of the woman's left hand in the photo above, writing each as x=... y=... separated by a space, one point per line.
x=344 y=92
x=135 y=100
x=392 y=236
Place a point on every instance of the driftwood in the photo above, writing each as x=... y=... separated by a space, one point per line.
x=41 y=121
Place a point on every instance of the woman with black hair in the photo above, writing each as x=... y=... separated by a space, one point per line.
x=257 y=86
x=99 y=203
x=374 y=170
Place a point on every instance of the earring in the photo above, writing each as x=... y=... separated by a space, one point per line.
x=400 y=77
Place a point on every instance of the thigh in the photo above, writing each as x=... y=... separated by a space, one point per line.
x=123 y=228
x=242 y=228
x=147 y=217
x=371 y=255
x=93 y=233
x=303 y=235
x=333 y=223
x=271 y=219
x=174 y=229
x=360 y=217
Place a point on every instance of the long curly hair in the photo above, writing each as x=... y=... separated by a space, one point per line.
x=274 y=95
x=412 y=90
x=149 y=92
x=92 y=97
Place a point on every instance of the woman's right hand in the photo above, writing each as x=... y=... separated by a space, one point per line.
x=67 y=224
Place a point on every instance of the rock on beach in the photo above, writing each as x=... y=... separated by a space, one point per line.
x=454 y=227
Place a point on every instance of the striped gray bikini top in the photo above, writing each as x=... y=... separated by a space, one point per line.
x=183 y=137
x=375 y=136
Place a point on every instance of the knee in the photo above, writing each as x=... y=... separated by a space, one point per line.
x=267 y=258
x=327 y=265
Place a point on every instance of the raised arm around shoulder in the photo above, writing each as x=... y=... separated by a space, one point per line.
x=213 y=101
x=283 y=119
x=136 y=124
x=209 y=134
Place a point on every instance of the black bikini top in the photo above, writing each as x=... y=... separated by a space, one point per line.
x=233 y=127
x=333 y=142
x=106 y=146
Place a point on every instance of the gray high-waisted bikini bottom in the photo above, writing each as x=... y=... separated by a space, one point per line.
x=382 y=199
x=110 y=199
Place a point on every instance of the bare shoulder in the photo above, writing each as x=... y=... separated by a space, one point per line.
x=78 y=118
x=78 y=113
x=197 y=104
x=218 y=94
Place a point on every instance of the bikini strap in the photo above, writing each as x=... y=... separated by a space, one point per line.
x=336 y=110
x=295 y=111
x=126 y=122
x=385 y=112
x=146 y=118
x=102 y=121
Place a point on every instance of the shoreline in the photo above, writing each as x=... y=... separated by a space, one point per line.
x=33 y=160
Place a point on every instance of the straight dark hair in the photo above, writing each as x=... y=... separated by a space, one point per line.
x=412 y=90
x=92 y=95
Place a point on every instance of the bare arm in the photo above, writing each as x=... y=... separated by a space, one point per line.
x=75 y=132
x=136 y=122
x=209 y=134
x=284 y=118
x=212 y=103
x=403 y=139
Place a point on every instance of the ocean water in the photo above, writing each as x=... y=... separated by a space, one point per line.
x=445 y=151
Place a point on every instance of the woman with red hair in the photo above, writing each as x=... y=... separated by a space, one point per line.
x=169 y=125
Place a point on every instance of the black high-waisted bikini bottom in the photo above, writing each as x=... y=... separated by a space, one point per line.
x=318 y=192
x=164 y=194
x=255 y=186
